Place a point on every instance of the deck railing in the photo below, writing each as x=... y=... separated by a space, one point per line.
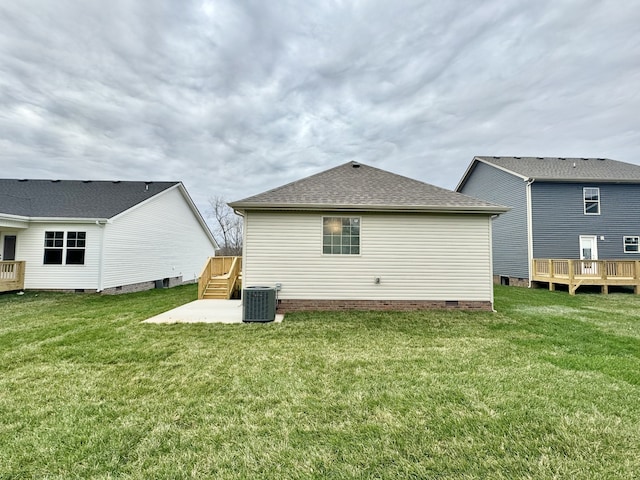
x=11 y=276
x=586 y=272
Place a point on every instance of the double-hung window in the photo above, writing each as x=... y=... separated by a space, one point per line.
x=341 y=235
x=67 y=246
x=76 y=242
x=53 y=248
x=591 y=196
x=630 y=244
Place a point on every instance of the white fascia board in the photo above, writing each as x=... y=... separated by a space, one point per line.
x=198 y=215
x=467 y=172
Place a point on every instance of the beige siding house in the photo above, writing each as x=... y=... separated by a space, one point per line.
x=359 y=237
x=100 y=236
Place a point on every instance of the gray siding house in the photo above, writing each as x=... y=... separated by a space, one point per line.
x=561 y=208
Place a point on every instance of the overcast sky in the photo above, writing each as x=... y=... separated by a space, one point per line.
x=236 y=97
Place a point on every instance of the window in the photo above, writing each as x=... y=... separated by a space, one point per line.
x=591 y=200
x=55 y=248
x=75 y=247
x=630 y=244
x=53 y=245
x=341 y=235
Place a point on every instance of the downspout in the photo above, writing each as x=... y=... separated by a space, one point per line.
x=243 y=214
x=102 y=224
x=493 y=309
x=529 y=228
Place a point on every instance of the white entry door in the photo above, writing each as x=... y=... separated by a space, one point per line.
x=589 y=251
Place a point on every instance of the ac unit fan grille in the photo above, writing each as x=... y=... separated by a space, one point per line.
x=259 y=304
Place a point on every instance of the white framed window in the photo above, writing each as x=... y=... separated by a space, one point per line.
x=341 y=235
x=591 y=196
x=76 y=243
x=53 y=246
x=630 y=244
x=69 y=246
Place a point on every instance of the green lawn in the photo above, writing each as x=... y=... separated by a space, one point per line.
x=548 y=387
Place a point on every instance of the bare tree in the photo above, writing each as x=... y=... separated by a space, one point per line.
x=227 y=227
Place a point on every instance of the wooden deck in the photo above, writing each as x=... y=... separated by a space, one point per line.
x=575 y=273
x=11 y=276
x=220 y=277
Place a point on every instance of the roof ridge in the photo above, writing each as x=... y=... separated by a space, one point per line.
x=523 y=157
x=362 y=187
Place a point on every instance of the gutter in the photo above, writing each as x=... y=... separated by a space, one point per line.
x=493 y=209
x=589 y=180
x=66 y=220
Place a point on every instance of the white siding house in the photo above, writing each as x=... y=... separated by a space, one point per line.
x=359 y=237
x=102 y=236
x=170 y=242
x=40 y=276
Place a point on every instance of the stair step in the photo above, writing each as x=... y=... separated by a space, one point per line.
x=216 y=290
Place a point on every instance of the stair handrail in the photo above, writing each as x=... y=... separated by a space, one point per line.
x=204 y=278
x=233 y=275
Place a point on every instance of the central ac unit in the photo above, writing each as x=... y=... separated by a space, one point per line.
x=259 y=304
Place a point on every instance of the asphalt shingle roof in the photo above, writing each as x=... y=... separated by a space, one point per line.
x=571 y=169
x=74 y=198
x=358 y=186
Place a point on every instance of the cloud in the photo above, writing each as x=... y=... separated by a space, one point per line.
x=235 y=97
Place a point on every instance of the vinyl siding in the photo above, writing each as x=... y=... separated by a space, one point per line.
x=161 y=238
x=510 y=252
x=417 y=257
x=559 y=219
x=30 y=248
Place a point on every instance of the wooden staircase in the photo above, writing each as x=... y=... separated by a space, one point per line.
x=220 y=277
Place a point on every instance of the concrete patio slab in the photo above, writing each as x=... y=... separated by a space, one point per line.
x=205 y=311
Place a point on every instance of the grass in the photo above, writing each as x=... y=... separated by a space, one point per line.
x=548 y=387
